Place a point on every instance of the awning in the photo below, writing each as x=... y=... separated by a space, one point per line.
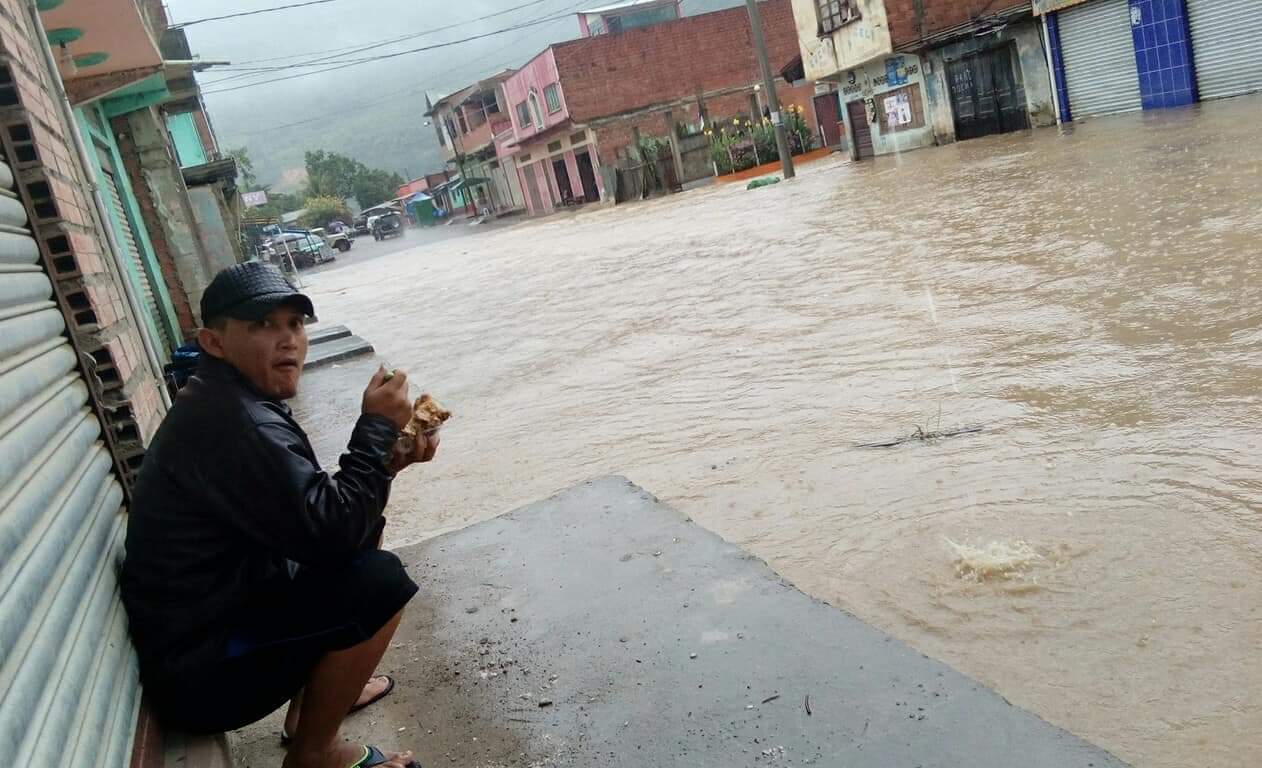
x=224 y=170
x=793 y=71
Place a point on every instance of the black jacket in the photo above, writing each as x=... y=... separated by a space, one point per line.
x=229 y=491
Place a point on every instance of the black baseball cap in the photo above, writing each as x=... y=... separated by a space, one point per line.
x=250 y=291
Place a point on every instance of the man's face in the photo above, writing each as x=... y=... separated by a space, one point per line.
x=269 y=352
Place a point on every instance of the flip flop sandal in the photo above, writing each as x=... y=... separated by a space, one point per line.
x=373 y=756
x=285 y=738
x=385 y=692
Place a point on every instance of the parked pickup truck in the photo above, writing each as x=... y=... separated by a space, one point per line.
x=336 y=240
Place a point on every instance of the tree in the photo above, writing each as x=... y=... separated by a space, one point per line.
x=331 y=175
x=375 y=186
x=245 y=168
x=321 y=210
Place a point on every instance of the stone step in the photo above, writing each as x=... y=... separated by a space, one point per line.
x=322 y=334
x=337 y=349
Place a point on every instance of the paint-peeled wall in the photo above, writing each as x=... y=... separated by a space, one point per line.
x=894 y=94
x=1029 y=66
x=826 y=57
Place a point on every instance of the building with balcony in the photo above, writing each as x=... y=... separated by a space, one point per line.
x=915 y=74
x=468 y=122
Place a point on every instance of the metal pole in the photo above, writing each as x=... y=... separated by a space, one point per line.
x=769 y=83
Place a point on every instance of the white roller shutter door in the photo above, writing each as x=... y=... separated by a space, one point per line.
x=1226 y=46
x=127 y=238
x=1099 y=56
x=69 y=689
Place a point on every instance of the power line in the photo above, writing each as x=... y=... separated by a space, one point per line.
x=348 y=111
x=248 y=13
x=354 y=62
x=365 y=46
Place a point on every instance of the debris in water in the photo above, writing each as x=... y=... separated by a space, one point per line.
x=766 y=181
x=807 y=703
x=770 y=699
x=996 y=561
x=545 y=702
x=921 y=435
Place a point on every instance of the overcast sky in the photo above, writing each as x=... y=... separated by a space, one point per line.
x=389 y=90
x=344 y=23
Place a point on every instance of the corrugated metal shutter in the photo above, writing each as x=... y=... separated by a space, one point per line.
x=69 y=688
x=1099 y=55
x=114 y=198
x=1226 y=40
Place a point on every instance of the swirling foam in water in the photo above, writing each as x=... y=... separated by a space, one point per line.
x=996 y=561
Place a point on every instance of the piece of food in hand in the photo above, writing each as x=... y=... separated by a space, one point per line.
x=389 y=375
x=427 y=416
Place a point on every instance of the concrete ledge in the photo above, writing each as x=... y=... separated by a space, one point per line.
x=322 y=334
x=334 y=350
x=657 y=643
x=603 y=628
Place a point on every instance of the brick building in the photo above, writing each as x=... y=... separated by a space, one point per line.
x=912 y=73
x=467 y=123
x=579 y=108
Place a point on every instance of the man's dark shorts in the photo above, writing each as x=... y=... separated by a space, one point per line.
x=276 y=644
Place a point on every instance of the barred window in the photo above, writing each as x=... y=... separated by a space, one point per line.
x=552 y=94
x=835 y=14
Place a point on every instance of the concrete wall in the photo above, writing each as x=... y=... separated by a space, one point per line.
x=871 y=82
x=219 y=237
x=159 y=188
x=1029 y=66
x=855 y=44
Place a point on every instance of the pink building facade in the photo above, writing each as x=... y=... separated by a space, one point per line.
x=556 y=159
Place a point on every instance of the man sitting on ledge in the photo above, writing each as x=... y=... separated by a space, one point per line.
x=252 y=577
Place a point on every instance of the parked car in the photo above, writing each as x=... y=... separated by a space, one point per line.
x=387 y=225
x=305 y=248
x=338 y=241
x=360 y=226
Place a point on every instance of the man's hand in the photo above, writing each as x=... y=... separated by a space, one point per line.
x=388 y=396
x=423 y=449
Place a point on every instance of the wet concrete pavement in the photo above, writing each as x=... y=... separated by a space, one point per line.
x=600 y=627
x=1091 y=298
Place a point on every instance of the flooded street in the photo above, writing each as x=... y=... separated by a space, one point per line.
x=1092 y=299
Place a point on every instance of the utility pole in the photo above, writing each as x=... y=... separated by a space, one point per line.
x=769 y=85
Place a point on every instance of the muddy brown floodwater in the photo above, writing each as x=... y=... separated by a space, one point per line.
x=1092 y=298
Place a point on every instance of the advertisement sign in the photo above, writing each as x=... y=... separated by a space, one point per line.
x=254 y=199
x=898 y=109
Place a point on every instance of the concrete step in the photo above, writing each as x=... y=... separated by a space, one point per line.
x=333 y=350
x=321 y=334
x=645 y=640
